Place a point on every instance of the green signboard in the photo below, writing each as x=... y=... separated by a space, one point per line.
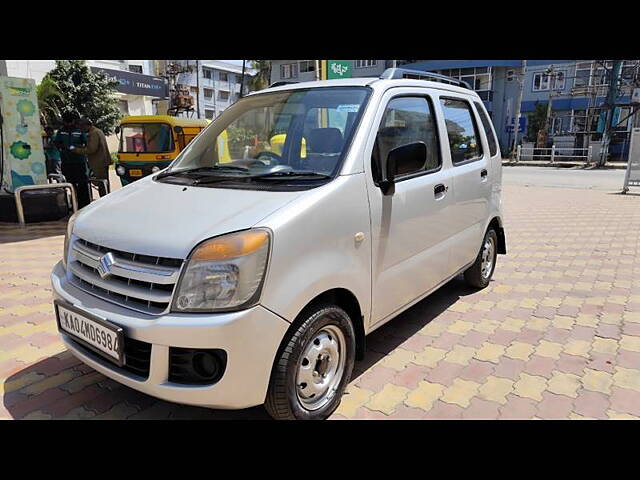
x=339 y=69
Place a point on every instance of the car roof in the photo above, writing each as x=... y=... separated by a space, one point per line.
x=373 y=82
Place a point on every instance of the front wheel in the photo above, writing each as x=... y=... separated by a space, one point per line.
x=313 y=366
x=479 y=274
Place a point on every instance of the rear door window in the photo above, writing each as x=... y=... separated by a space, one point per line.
x=486 y=124
x=462 y=130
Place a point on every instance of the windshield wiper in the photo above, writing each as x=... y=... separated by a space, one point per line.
x=213 y=169
x=291 y=174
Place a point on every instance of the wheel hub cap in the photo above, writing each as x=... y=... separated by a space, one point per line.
x=487 y=258
x=320 y=368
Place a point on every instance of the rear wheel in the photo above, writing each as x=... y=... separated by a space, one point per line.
x=479 y=274
x=313 y=366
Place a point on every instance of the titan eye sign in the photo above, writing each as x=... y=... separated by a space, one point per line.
x=339 y=69
x=136 y=83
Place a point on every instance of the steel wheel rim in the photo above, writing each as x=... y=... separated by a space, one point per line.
x=321 y=368
x=487 y=257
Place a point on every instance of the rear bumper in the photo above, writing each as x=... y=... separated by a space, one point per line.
x=251 y=339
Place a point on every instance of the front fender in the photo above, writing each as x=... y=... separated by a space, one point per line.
x=315 y=250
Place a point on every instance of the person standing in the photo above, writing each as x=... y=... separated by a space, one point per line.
x=51 y=152
x=74 y=165
x=97 y=152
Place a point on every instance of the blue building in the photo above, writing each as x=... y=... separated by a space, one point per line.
x=577 y=89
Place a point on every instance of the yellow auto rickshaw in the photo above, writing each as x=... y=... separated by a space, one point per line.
x=149 y=143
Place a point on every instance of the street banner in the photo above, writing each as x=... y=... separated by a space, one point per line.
x=23 y=161
x=632 y=176
x=339 y=69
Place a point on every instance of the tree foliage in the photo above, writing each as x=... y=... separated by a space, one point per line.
x=536 y=120
x=86 y=93
x=48 y=94
x=262 y=78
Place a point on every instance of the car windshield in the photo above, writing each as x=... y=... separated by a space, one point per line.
x=146 y=138
x=294 y=134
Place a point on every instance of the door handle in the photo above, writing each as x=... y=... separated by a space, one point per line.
x=440 y=190
x=483 y=173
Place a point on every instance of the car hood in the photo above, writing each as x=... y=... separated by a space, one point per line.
x=167 y=220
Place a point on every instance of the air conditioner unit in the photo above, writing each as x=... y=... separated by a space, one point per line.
x=635 y=96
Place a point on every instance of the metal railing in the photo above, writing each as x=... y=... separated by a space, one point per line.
x=554 y=154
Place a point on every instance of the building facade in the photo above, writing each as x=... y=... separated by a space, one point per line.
x=577 y=90
x=305 y=70
x=214 y=84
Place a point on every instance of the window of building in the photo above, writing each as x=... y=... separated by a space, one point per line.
x=461 y=130
x=307 y=66
x=207 y=73
x=486 y=124
x=407 y=120
x=479 y=78
x=544 y=81
x=224 y=77
x=208 y=114
x=223 y=95
x=289 y=70
x=364 y=63
x=135 y=68
x=208 y=93
x=123 y=105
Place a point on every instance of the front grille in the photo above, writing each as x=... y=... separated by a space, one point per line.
x=137 y=356
x=140 y=282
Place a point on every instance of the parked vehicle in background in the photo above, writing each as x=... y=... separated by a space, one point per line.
x=229 y=283
x=149 y=143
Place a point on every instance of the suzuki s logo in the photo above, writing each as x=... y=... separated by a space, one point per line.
x=104 y=265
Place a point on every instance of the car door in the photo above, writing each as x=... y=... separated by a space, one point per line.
x=410 y=228
x=470 y=177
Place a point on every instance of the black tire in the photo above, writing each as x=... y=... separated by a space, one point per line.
x=282 y=401
x=473 y=275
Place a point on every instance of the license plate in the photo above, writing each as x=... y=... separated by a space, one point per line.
x=136 y=172
x=97 y=334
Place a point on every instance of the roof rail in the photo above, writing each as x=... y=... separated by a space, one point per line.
x=391 y=73
x=279 y=84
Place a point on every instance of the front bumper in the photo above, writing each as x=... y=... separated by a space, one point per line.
x=250 y=337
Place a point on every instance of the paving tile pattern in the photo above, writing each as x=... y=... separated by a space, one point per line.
x=556 y=335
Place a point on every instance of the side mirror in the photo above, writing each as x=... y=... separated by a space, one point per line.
x=402 y=160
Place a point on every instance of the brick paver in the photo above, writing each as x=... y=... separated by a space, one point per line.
x=555 y=335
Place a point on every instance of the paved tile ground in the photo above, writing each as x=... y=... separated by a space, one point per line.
x=555 y=335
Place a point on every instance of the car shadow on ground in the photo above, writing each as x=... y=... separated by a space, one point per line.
x=13 y=232
x=107 y=399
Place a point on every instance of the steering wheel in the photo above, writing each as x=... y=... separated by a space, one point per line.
x=268 y=158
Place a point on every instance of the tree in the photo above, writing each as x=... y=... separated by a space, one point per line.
x=536 y=121
x=48 y=94
x=86 y=93
x=262 y=78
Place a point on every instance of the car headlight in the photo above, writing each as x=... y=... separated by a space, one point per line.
x=155 y=169
x=120 y=170
x=67 y=237
x=224 y=273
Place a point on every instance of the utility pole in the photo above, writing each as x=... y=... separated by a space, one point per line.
x=516 y=125
x=198 y=86
x=242 y=78
x=610 y=105
x=317 y=69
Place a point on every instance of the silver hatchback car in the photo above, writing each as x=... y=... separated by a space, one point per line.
x=302 y=219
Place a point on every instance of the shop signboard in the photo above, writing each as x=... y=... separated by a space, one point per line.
x=136 y=83
x=339 y=69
